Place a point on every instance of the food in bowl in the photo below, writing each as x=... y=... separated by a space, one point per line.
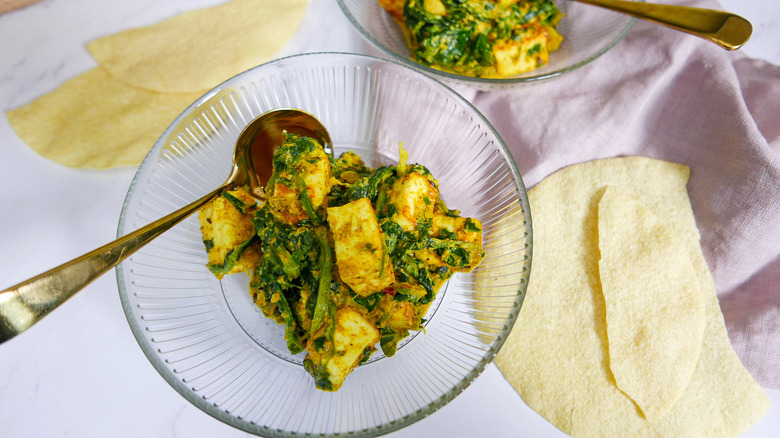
x=344 y=256
x=480 y=38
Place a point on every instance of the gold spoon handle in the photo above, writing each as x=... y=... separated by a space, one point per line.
x=23 y=305
x=725 y=29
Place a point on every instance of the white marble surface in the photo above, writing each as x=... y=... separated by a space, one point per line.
x=79 y=372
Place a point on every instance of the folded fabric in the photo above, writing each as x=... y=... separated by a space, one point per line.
x=664 y=94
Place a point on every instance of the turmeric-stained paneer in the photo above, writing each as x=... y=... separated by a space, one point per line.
x=465 y=229
x=435 y=7
x=532 y=51
x=300 y=162
x=403 y=315
x=413 y=197
x=226 y=225
x=361 y=258
x=466 y=251
x=354 y=336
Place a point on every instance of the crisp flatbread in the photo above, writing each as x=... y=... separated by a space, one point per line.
x=113 y=114
x=654 y=305
x=557 y=354
x=97 y=121
x=199 y=49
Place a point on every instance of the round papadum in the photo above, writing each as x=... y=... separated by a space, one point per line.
x=557 y=354
x=199 y=49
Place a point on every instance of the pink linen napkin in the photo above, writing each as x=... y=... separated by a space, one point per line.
x=668 y=95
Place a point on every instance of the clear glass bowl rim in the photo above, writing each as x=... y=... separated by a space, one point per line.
x=382 y=429
x=482 y=81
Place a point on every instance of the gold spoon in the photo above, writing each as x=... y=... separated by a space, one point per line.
x=23 y=305
x=725 y=29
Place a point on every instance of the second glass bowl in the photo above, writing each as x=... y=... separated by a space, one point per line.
x=588 y=33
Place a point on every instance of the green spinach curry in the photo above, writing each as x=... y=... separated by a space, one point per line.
x=344 y=256
x=482 y=38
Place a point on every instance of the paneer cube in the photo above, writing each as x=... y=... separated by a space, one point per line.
x=414 y=197
x=435 y=7
x=460 y=229
x=513 y=57
x=361 y=257
x=404 y=316
x=314 y=169
x=353 y=336
x=226 y=225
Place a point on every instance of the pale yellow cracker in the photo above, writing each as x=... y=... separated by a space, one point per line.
x=654 y=305
x=96 y=121
x=556 y=356
x=199 y=49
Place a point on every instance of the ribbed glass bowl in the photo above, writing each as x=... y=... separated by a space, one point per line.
x=212 y=344
x=588 y=32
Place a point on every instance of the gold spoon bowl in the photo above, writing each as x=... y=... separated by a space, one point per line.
x=23 y=305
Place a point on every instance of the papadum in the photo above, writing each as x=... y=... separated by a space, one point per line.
x=201 y=48
x=557 y=355
x=96 y=121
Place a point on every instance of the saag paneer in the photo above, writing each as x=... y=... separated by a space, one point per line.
x=344 y=256
x=481 y=38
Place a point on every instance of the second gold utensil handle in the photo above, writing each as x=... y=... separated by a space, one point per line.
x=725 y=29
